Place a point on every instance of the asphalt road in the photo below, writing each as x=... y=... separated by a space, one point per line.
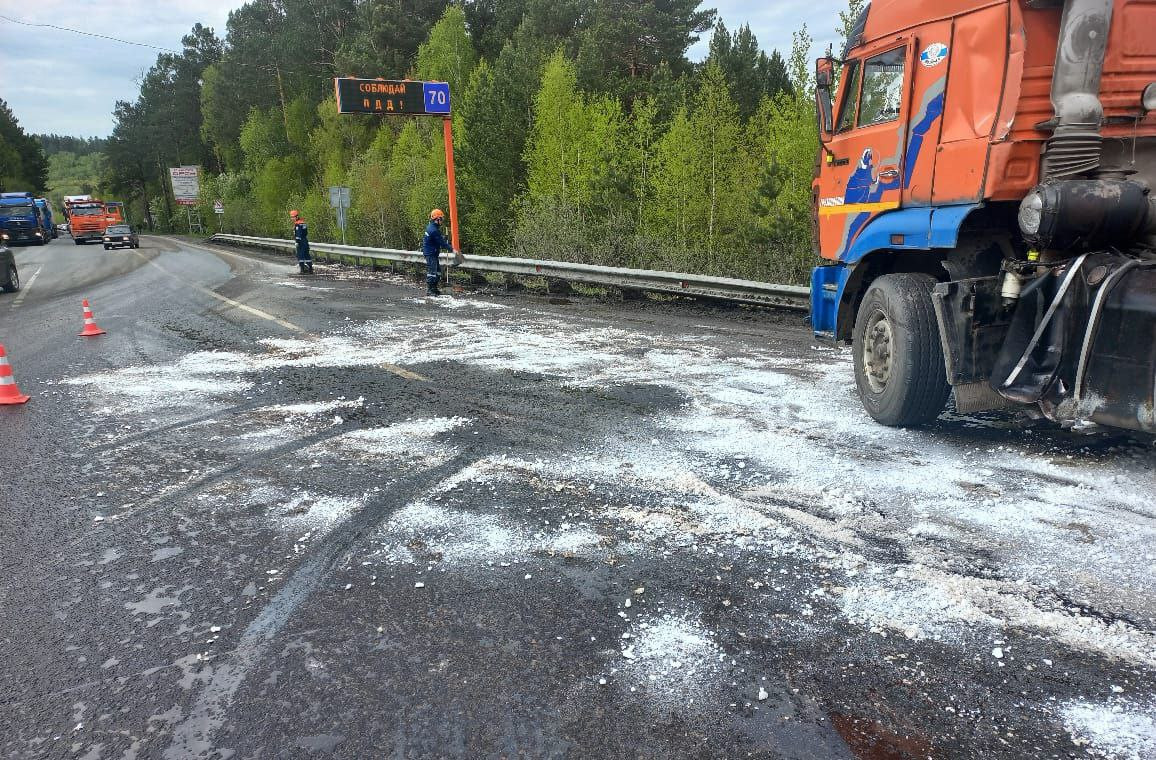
x=274 y=516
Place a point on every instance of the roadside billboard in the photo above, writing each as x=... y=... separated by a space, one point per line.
x=186 y=184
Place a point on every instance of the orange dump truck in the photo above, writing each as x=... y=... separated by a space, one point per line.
x=88 y=217
x=983 y=201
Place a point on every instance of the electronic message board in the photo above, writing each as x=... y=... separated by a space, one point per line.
x=392 y=97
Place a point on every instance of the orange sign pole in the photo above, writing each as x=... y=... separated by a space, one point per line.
x=451 y=182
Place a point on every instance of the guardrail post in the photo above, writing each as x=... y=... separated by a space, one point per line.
x=558 y=286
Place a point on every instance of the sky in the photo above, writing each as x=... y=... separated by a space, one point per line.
x=65 y=83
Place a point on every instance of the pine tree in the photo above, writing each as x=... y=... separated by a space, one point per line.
x=448 y=54
x=23 y=165
x=626 y=40
x=495 y=119
x=749 y=71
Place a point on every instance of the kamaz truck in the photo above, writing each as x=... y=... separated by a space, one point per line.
x=24 y=219
x=983 y=197
x=88 y=217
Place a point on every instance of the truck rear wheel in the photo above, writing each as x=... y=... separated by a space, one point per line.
x=899 y=366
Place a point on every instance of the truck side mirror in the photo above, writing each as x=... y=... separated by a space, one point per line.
x=824 y=81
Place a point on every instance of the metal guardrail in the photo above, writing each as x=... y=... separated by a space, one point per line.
x=725 y=288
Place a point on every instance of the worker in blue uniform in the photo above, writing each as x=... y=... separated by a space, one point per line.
x=301 y=235
x=432 y=244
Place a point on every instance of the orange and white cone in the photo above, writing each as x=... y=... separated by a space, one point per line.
x=9 y=393
x=90 y=328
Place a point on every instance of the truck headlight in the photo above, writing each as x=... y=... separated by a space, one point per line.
x=1031 y=214
x=1148 y=99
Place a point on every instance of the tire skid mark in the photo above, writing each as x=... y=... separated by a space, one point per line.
x=132 y=438
x=193 y=738
x=213 y=478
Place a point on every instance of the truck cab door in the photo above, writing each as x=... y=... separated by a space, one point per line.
x=862 y=170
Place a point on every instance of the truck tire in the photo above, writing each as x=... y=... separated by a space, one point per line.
x=78 y=241
x=899 y=365
x=12 y=279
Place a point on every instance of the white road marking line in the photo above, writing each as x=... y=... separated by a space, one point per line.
x=26 y=287
x=225 y=299
x=403 y=372
x=399 y=371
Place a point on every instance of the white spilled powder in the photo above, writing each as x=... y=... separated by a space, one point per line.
x=761 y=453
x=299 y=286
x=312 y=409
x=412 y=438
x=189 y=381
x=946 y=607
x=573 y=541
x=458 y=537
x=915 y=610
x=453 y=302
x=674 y=660
x=1119 y=731
x=316 y=514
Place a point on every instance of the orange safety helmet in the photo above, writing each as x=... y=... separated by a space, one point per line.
x=437 y=213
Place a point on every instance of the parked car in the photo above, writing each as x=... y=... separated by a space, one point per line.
x=9 y=278
x=120 y=236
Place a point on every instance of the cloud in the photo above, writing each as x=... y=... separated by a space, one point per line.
x=67 y=83
x=773 y=23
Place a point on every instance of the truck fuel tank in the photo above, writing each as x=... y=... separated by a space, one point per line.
x=1081 y=343
x=1116 y=376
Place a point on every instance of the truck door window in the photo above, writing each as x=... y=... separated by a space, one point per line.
x=882 y=88
x=850 y=90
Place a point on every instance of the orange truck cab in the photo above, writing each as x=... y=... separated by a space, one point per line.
x=983 y=203
x=88 y=217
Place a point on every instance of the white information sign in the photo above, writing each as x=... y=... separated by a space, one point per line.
x=186 y=184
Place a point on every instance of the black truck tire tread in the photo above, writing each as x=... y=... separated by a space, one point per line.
x=918 y=388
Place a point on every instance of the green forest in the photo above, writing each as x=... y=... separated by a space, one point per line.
x=582 y=131
x=23 y=165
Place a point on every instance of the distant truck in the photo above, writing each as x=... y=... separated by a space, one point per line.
x=88 y=217
x=46 y=218
x=25 y=219
x=983 y=196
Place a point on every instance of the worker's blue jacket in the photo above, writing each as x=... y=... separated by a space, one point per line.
x=434 y=242
x=301 y=232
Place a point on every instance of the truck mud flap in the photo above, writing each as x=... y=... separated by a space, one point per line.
x=973 y=325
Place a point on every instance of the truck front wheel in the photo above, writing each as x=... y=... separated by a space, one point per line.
x=899 y=365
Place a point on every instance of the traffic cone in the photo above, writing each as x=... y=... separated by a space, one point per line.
x=90 y=329
x=9 y=393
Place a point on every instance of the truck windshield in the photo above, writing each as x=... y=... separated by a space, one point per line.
x=86 y=211
x=22 y=210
